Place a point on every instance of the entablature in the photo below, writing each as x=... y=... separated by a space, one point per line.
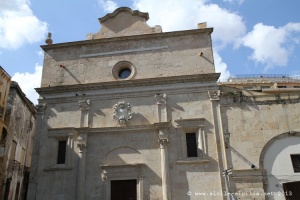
x=130 y=88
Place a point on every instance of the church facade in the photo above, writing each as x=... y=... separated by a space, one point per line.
x=136 y=113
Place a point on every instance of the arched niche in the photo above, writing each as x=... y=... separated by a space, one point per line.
x=122 y=156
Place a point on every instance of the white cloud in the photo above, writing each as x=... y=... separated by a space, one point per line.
x=108 y=5
x=28 y=82
x=180 y=15
x=40 y=53
x=221 y=67
x=18 y=25
x=272 y=46
x=234 y=1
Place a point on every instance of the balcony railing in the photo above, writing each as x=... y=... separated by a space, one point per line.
x=262 y=77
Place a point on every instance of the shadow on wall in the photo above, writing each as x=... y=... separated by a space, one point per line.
x=126 y=162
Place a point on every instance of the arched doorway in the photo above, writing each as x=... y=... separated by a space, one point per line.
x=280 y=158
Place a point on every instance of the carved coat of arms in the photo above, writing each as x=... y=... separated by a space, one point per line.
x=122 y=112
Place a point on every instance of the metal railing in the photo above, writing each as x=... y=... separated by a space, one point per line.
x=261 y=77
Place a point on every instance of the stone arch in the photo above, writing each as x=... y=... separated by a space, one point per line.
x=270 y=142
x=123 y=155
x=275 y=160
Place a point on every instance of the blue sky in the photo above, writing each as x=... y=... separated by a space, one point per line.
x=250 y=36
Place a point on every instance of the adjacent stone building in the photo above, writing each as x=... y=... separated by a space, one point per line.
x=136 y=113
x=17 y=146
x=5 y=81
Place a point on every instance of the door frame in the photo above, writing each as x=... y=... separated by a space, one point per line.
x=122 y=172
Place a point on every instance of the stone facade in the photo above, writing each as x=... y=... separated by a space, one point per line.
x=17 y=148
x=5 y=82
x=136 y=105
x=256 y=121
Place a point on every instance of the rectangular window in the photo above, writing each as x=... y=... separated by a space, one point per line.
x=296 y=162
x=281 y=86
x=61 y=155
x=191 y=145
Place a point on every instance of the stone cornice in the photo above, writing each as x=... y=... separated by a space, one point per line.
x=190 y=123
x=67 y=131
x=198 y=78
x=128 y=38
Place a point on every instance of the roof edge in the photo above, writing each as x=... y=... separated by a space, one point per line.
x=126 y=38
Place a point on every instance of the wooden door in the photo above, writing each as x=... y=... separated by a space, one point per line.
x=123 y=190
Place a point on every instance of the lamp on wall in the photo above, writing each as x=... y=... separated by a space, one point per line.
x=226 y=138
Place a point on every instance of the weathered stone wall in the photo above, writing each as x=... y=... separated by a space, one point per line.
x=21 y=130
x=253 y=121
x=177 y=54
x=197 y=175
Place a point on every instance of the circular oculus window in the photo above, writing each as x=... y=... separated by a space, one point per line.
x=123 y=70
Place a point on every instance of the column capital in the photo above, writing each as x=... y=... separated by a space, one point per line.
x=81 y=146
x=214 y=95
x=84 y=104
x=161 y=99
x=40 y=108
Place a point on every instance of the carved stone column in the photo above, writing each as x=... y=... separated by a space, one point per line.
x=81 y=145
x=84 y=106
x=164 y=157
x=161 y=101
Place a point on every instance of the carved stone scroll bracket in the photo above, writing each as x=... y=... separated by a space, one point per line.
x=214 y=95
x=122 y=112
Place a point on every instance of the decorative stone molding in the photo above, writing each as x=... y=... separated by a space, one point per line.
x=81 y=146
x=122 y=172
x=125 y=22
x=163 y=136
x=163 y=140
x=84 y=104
x=122 y=112
x=214 y=95
x=123 y=65
x=161 y=99
x=195 y=125
x=40 y=108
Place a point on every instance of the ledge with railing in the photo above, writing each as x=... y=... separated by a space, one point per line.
x=248 y=78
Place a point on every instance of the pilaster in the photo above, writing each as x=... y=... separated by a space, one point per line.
x=84 y=107
x=214 y=96
x=40 y=116
x=163 y=139
x=81 y=145
x=161 y=101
